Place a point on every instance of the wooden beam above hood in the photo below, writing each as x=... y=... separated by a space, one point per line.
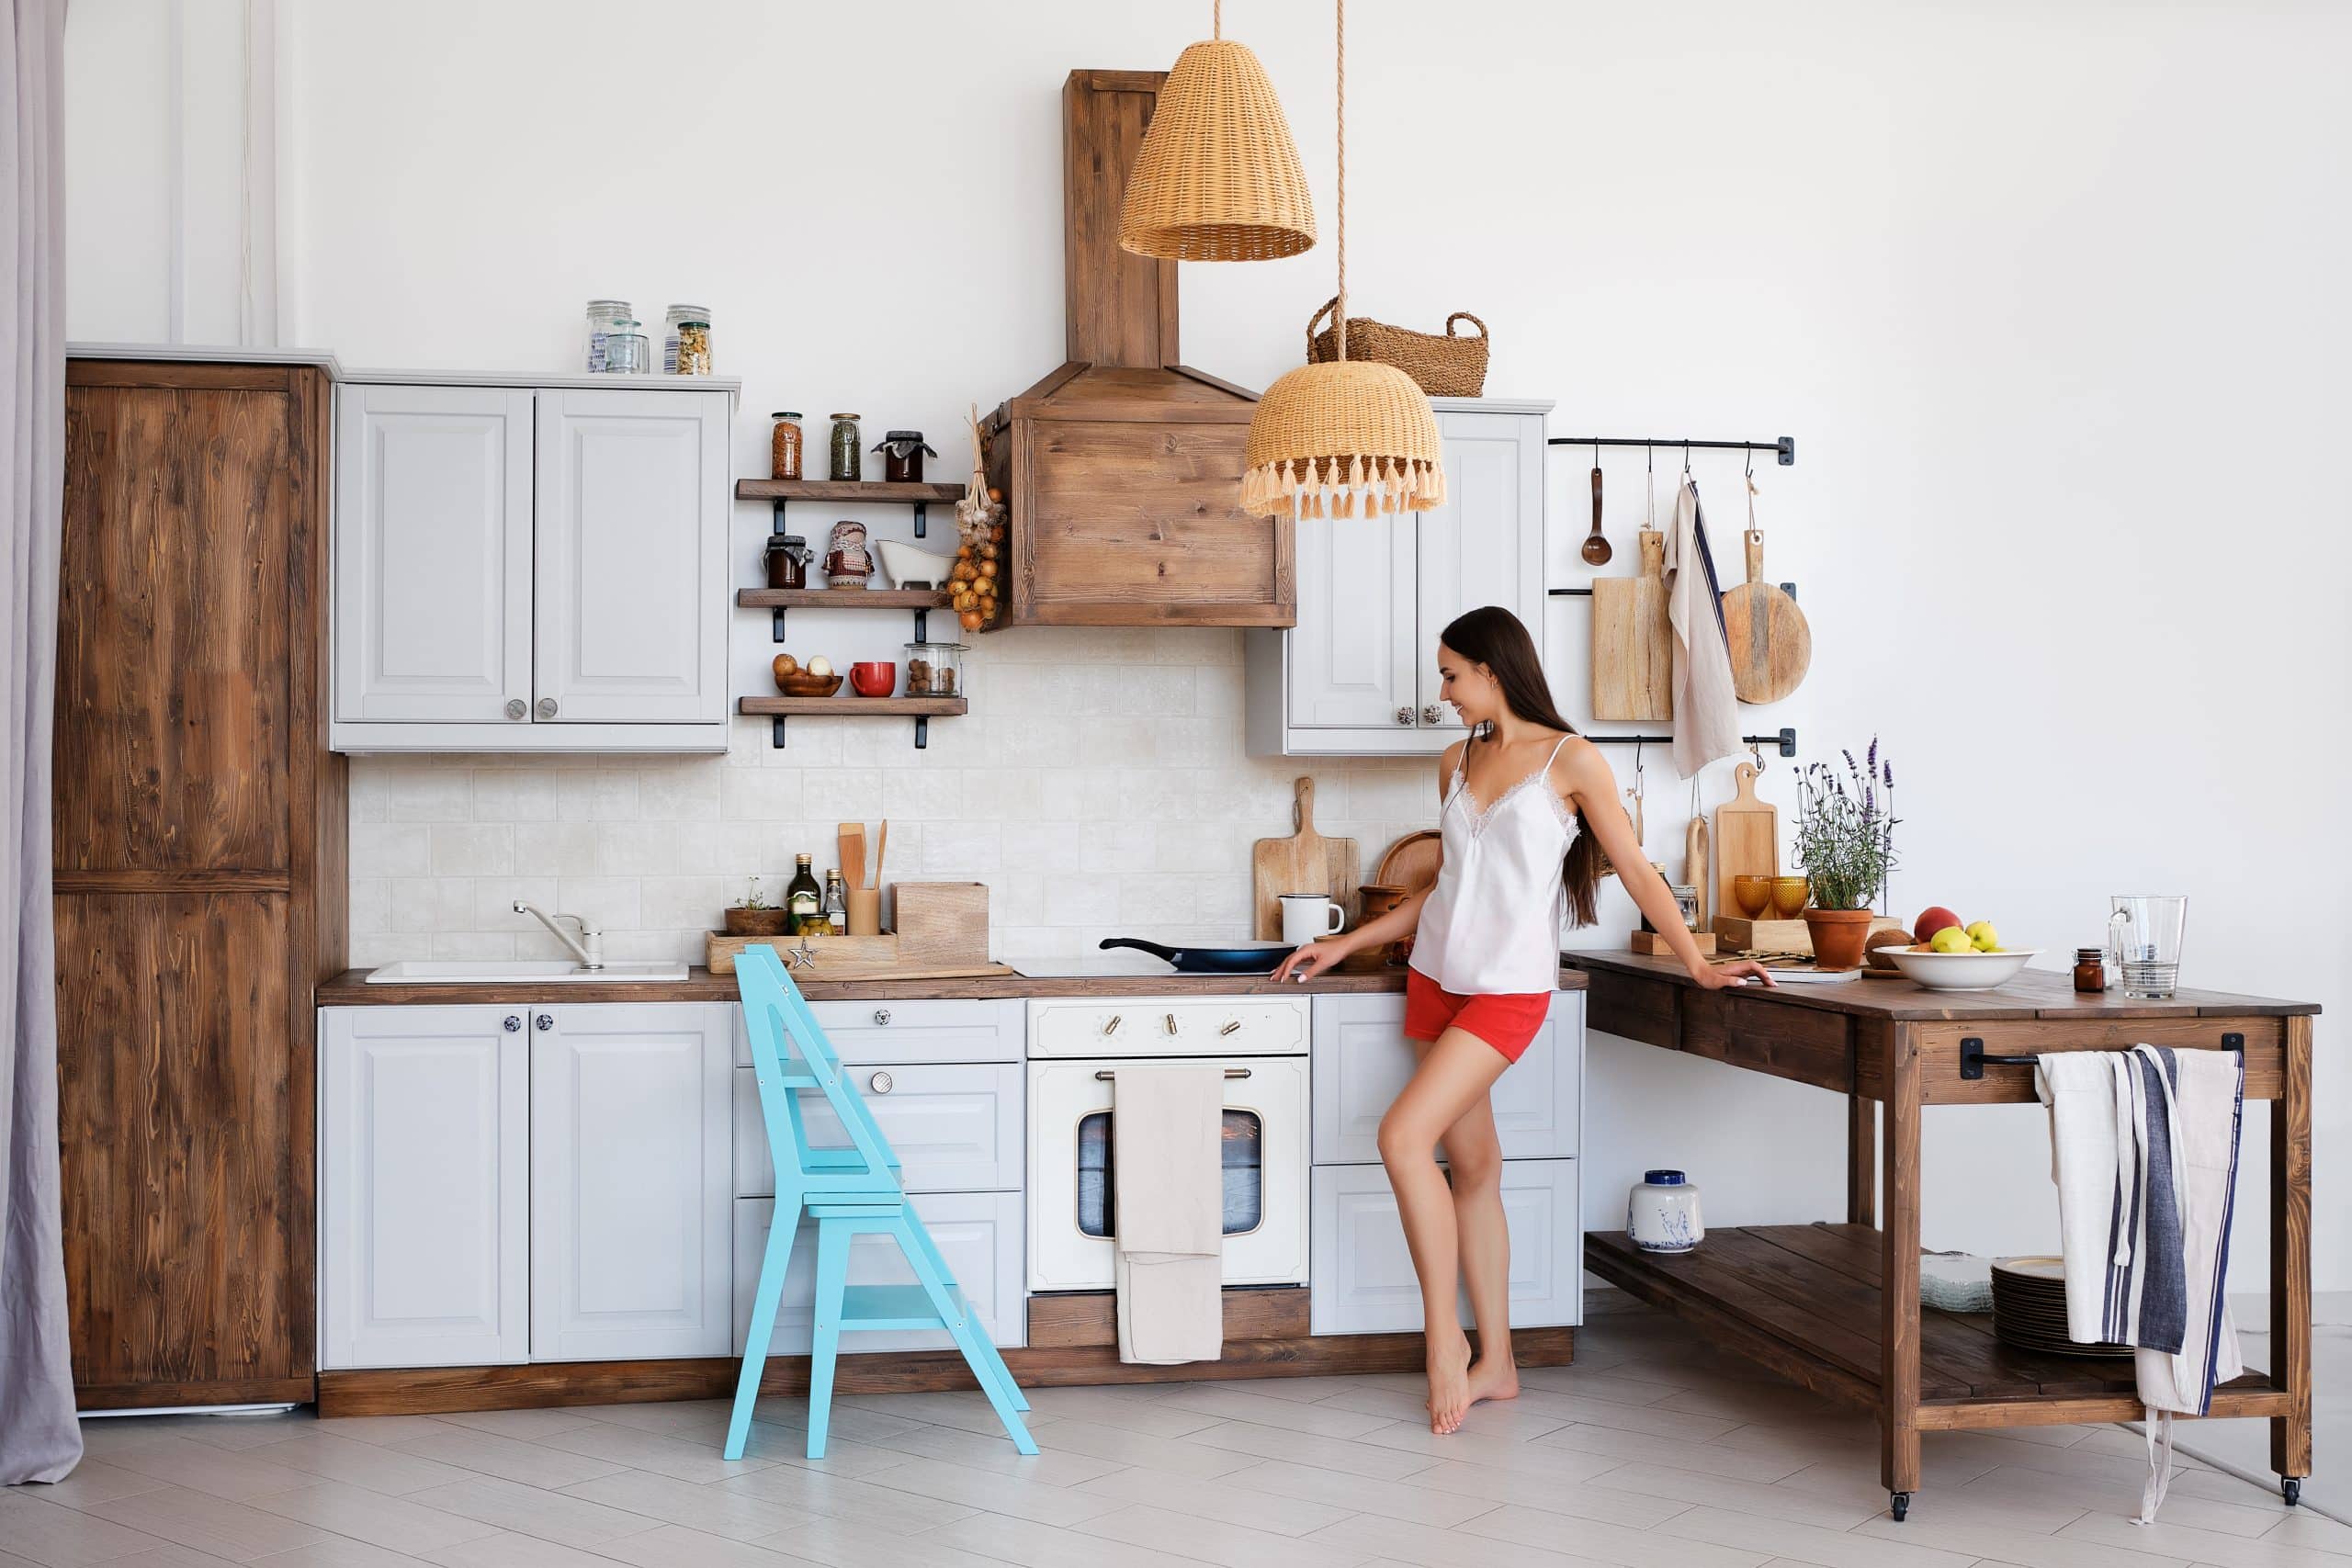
x=1122 y=307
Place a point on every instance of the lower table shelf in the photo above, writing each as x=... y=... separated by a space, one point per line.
x=1803 y=1301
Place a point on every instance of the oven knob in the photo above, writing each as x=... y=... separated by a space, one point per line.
x=882 y=1015
x=1112 y=1027
x=1171 y=1023
x=1230 y=1028
x=880 y=1083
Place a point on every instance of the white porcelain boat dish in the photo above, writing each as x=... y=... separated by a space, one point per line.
x=514 y=971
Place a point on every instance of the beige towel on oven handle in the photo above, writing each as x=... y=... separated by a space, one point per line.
x=1168 y=1128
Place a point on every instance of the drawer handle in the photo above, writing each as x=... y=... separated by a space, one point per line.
x=1106 y=1074
x=880 y=1083
x=1230 y=1028
x=1112 y=1027
x=1171 y=1023
x=882 y=1015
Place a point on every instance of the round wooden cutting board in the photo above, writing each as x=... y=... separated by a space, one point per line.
x=1770 y=643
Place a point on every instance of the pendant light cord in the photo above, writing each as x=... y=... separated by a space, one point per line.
x=1216 y=19
x=1342 y=55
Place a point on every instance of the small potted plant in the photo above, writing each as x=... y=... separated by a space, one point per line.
x=754 y=916
x=1845 y=845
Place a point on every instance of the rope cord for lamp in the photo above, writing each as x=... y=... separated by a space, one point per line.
x=1341 y=52
x=1216 y=19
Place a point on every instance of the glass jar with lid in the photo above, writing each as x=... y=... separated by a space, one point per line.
x=784 y=447
x=693 y=348
x=625 y=349
x=935 y=670
x=847 y=461
x=602 y=314
x=786 y=559
x=672 y=334
x=903 y=455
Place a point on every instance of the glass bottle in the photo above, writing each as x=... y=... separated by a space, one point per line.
x=784 y=447
x=602 y=314
x=847 y=458
x=625 y=353
x=2090 y=969
x=836 y=903
x=804 y=901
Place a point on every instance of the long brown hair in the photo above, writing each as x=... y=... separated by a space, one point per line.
x=1493 y=637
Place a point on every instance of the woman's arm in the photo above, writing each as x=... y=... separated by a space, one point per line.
x=1395 y=926
x=1586 y=777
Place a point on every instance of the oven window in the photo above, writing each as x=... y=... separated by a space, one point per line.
x=1245 y=1160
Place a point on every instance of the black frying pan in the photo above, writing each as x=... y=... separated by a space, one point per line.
x=1210 y=960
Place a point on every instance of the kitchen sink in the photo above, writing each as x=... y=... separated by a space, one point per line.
x=514 y=971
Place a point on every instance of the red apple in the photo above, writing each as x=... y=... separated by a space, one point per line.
x=1934 y=919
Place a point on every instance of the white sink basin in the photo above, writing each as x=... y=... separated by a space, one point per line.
x=516 y=971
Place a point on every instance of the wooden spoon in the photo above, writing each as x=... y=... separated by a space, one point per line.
x=1596 y=548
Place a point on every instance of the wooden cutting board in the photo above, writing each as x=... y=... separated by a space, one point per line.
x=1306 y=861
x=1412 y=862
x=1771 y=644
x=1747 y=839
x=1633 y=642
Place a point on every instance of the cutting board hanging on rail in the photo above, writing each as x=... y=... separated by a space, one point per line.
x=1747 y=839
x=1305 y=861
x=1633 y=642
x=1771 y=642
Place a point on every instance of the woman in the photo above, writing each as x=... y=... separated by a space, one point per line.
x=1485 y=965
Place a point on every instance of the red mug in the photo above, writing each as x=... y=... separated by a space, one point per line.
x=873 y=678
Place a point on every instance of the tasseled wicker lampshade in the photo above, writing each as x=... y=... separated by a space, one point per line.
x=1218 y=176
x=1325 y=435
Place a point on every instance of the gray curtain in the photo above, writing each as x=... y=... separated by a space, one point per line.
x=38 y=1438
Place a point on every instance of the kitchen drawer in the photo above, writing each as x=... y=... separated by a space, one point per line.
x=1364 y=1273
x=1167 y=1026
x=966 y=1030
x=1362 y=1060
x=956 y=1125
x=978 y=1233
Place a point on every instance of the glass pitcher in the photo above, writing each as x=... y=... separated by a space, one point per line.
x=2144 y=937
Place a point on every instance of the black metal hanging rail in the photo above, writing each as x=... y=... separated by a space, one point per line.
x=1975 y=1058
x=1788 y=588
x=1785 y=741
x=1785 y=447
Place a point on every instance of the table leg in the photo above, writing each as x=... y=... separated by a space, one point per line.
x=1862 y=1160
x=1899 y=1276
x=2290 y=1258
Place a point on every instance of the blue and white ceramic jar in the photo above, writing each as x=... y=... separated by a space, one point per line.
x=1662 y=1213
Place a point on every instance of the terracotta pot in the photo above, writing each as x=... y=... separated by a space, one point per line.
x=741 y=921
x=1839 y=936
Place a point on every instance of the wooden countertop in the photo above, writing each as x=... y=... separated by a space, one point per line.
x=350 y=988
x=2034 y=994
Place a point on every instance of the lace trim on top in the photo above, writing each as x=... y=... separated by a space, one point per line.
x=1480 y=815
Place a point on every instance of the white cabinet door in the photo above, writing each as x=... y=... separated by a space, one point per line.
x=1354 y=651
x=978 y=1233
x=424 y=1230
x=432 y=553
x=957 y=1127
x=1363 y=1273
x=632 y=596
x=630 y=1184
x=1484 y=546
x=1362 y=1060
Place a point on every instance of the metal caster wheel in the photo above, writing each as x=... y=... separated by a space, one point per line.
x=2291 y=1488
x=1900 y=1502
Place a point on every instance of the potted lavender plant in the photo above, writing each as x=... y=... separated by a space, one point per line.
x=1845 y=845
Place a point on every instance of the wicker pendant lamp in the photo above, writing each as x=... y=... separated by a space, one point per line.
x=1218 y=176
x=1344 y=438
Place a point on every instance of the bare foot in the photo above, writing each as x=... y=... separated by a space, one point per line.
x=1449 y=1364
x=1490 y=1380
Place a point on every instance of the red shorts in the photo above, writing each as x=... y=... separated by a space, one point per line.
x=1510 y=1023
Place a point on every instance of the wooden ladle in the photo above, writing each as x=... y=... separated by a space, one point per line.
x=1596 y=548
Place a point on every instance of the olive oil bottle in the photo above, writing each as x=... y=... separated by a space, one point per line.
x=804 y=901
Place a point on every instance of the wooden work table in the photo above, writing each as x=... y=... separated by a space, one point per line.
x=1834 y=1306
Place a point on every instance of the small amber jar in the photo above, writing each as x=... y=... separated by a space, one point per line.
x=2090 y=970
x=785 y=447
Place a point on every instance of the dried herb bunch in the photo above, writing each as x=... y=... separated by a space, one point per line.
x=1846 y=830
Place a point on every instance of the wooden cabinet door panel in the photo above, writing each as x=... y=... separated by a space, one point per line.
x=174 y=694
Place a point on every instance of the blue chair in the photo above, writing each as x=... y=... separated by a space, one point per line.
x=847 y=1190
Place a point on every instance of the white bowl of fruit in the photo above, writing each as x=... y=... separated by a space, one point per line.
x=1945 y=956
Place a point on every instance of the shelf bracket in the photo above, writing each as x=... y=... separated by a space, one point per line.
x=776 y=624
x=775 y=732
x=923 y=626
x=922 y=731
x=776 y=526
x=919 y=524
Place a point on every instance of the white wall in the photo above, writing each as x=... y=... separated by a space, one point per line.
x=2051 y=296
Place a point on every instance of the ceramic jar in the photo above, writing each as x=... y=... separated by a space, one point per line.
x=1662 y=1213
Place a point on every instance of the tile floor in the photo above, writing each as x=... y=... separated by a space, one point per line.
x=1651 y=1453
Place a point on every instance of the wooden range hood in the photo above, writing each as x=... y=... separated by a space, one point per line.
x=1122 y=468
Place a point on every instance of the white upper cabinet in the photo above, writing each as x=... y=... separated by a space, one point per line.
x=531 y=567
x=1357 y=676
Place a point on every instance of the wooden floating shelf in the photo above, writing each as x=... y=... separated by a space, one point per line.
x=843 y=599
x=877 y=490
x=922 y=710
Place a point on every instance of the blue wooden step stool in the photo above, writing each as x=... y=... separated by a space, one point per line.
x=846 y=1190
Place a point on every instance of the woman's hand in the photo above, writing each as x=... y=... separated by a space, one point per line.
x=1312 y=959
x=1715 y=976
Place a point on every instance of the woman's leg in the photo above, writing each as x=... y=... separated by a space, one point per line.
x=1474 y=1154
x=1455 y=1074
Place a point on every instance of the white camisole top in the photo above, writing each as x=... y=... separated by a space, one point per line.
x=1492 y=923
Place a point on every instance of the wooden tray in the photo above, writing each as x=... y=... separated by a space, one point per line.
x=1654 y=942
x=1740 y=934
x=845 y=958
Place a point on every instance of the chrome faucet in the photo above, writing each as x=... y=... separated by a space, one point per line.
x=589 y=949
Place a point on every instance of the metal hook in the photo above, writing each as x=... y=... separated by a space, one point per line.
x=1686 y=459
x=1756 y=752
x=1751 y=468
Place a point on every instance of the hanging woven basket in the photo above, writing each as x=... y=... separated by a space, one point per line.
x=1218 y=177
x=1446 y=367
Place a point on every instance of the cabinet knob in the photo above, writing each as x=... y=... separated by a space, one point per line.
x=1403 y=715
x=881 y=1015
x=1429 y=714
x=513 y=1023
x=880 y=1083
x=546 y=1021
x=547 y=707
x=517 y=708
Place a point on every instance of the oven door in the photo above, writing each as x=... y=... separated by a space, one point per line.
x=1073 y=1175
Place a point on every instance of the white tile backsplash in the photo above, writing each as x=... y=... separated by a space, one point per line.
x=1098 y=786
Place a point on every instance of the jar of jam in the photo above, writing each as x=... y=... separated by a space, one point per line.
x=2090 y=969
x=786 y=558
x=847 y=455
x=784 y=447
x=903 y=455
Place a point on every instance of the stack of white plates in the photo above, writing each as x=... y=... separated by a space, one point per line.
x=2029 y=1308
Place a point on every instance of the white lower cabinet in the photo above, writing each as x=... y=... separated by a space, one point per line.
x=1363 y=1274
x=978 y=1233
x=956 y=1126
x=1362 y=1060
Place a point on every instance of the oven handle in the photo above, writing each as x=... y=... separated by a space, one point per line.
x=1106 y=1076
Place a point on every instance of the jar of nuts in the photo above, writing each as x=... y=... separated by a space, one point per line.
x=693 y=348
x=935 y=670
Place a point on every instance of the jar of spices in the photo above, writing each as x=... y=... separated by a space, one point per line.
x=2090 y=969
x=903 y=455
x=625 y=349
x=673 y=335
x=847 y=462
x=787 y=559
x=602 y=314
x=693 y=348
x=784 y=447
x=935 y=670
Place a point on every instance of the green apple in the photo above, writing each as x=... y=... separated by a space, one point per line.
x=1984 y=937
x=1951 y=938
